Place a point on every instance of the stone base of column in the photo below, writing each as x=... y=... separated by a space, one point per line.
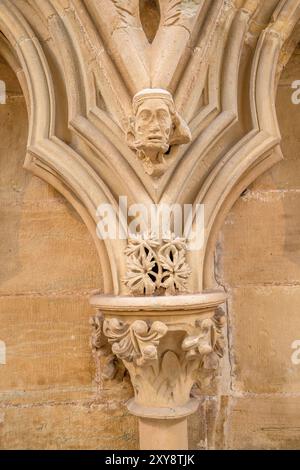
x=163 y=428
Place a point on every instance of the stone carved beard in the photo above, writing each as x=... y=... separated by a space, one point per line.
x=154 y=128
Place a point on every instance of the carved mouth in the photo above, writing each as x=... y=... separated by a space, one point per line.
x=155 y=138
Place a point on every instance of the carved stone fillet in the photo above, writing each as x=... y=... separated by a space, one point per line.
x=155 y=127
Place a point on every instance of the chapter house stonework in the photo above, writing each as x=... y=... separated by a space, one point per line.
x=164 y=102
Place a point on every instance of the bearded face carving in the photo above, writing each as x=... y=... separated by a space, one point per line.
x=155 y=127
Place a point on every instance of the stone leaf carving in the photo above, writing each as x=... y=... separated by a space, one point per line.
x=101 y=348
x=164 y=377
x=174 y=270
x=206 y=343
x=207 y=338
x=169 y=380
x=154 y=127
x=97 y=341
x=137 y=342
x=156 y=267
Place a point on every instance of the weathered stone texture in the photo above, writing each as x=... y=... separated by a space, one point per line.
x=48 y=395
x=264 y=423
x=74 y=426
x=202 y=81
x=259 y=265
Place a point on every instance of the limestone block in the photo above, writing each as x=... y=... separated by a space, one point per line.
x=260 y=240
x=264 y=323
x=67 y=426
x=264 y=423
x=44 y=245
x=47 y=343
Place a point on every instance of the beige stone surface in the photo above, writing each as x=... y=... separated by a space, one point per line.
x=76 y=425
x=258 y=263
x=264 y=324
x=273 y=219
x=52 y=227
x=180 y=110
x=49 y=397
x=47 y=341
x=264 y=423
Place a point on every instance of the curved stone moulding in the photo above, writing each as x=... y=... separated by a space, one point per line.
x=186 y=118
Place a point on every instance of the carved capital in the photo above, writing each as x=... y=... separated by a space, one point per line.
x=167 y=352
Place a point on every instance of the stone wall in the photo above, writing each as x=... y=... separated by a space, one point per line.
x=49 y=395
x=49 y=398
x=259 y=265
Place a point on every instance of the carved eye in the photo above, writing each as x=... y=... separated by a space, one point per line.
x=162 y=114
x=144 y=115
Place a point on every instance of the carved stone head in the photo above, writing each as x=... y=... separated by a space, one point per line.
x=155 y=127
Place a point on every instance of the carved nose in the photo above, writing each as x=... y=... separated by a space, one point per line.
x=154 y=126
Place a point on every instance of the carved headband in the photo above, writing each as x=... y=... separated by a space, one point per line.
x=154 y=93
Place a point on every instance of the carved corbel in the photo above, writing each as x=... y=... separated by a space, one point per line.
x=154 y=128
x=196 y=74
x=169 y=374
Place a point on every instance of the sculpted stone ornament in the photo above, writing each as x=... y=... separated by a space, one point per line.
x=102 y=349
x=135 y=343
x=161 y=372
x=207 y=344
x=155 y=127
x=222 y=60
x=156 y=267
x=167 y=344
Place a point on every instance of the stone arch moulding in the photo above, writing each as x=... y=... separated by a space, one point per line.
x=188 y=117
